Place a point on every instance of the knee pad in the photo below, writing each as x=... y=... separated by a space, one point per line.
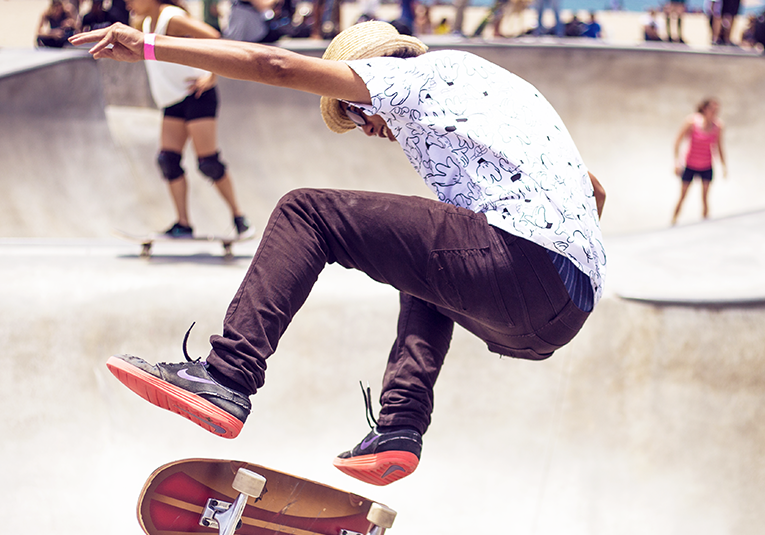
x=170 y=164
x=212 y=167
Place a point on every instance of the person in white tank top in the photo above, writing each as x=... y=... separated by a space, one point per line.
x=188 y=98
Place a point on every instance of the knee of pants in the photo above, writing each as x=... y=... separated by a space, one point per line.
x=212 y=167
x=298 y=199
x=170 y=164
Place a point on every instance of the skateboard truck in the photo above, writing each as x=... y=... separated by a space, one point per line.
x=227 y=517
x=380 y=516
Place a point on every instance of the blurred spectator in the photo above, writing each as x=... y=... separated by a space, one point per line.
x=210 y=13
x=750 y=38
x=119 y=11
x=675 y=10
x=712 y=9
x=722 y=24
x=755 y=32
x=302 y=22
x=593 y=30
x=459 y=16
x=326 y=19
x=574 y=27
x=443 y=27
x=508 y=8
x=407 y=16
x=57 y=24
x=96 y=18
x=703 y=132
x=247 y=20
x=422 y=23
x=759 y=31
x=402 y=26
x=280 y=21
x=260 y=21
x=653 y=26
x=555 y=6
x=368 y=10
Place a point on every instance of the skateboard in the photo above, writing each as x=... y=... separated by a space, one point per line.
x=227 y=497
x=148 y=240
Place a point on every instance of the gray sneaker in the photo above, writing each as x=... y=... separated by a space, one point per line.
x=187 y=389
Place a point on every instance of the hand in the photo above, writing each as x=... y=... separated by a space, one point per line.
x=118 y=42
x=201 y=84
x=679 y=170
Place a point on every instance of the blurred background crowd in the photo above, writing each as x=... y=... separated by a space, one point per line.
x=725 y=22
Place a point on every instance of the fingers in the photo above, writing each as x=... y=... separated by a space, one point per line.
x=104 y=48
x=88 y=37
x=117 y=42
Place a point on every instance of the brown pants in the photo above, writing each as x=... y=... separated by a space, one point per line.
x=449 y=265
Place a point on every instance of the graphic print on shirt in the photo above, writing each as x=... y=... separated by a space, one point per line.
x=483 y=139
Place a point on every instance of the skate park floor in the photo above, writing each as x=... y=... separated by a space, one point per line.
x=648 y=422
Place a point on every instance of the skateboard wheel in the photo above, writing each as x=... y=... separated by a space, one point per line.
x=382 y=516
x=248 y=482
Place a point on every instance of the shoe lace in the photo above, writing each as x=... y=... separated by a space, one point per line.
x=368 y=405
x=185 y=341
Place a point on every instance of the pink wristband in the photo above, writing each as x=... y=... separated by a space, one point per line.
x=148 y=46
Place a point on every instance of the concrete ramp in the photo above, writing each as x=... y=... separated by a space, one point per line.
x=62 y=173
x=719 y=262
x=648 y=422
x=71 y=170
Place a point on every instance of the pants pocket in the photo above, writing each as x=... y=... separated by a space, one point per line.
x=464 y=281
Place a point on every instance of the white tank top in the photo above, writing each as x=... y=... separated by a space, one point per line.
x=169 y=82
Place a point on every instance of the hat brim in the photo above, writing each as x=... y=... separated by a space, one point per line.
x=370 y=39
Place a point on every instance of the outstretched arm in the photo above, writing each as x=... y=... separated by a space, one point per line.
x=233 y=59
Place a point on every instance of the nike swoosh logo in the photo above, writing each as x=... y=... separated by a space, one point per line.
x=392 y=469
x=184 y=374
x=218 y=429
x=365 y=444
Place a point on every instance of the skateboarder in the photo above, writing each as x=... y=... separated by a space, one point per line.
x=704 y=132
x=511 y=250
x=188 y=98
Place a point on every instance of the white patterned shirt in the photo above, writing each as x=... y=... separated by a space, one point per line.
x=486 y=140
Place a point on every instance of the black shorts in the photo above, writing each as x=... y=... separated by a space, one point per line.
x=730 y=7
x=689 y=173
x=192 y=108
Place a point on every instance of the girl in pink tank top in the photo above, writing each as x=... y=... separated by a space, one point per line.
x=703 y=130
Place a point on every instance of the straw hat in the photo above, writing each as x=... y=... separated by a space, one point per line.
x=370 y=39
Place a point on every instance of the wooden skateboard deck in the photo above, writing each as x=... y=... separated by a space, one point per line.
x=178 y=495
x=148 y=240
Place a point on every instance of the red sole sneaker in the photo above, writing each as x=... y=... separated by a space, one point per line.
x=170 y=397
x=380 y=468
